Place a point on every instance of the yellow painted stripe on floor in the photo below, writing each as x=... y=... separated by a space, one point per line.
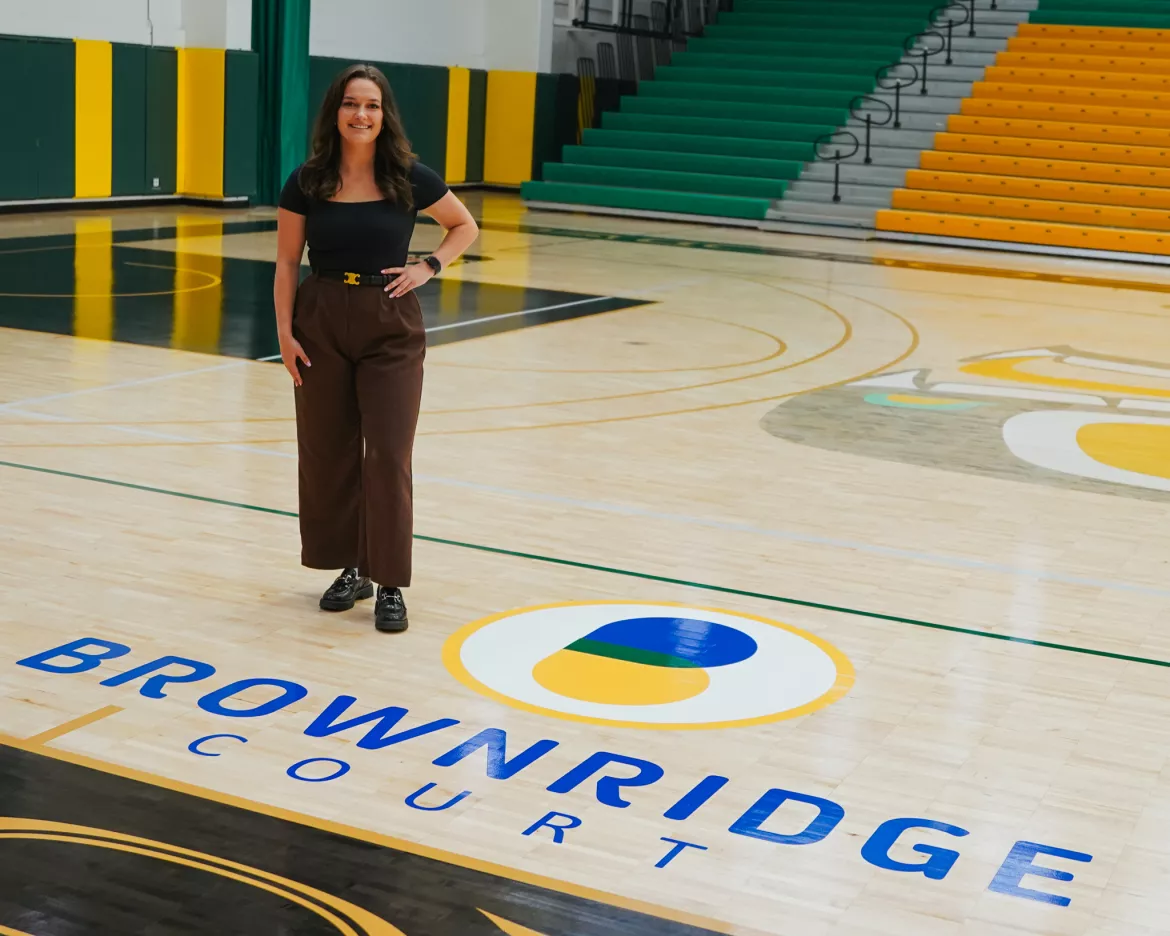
x=200 y=122
x=458 y=111
x=198 y=312
x=93 y=118
x=93 y=278
x=508 y=133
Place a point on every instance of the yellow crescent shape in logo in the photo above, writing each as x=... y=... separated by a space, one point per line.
x=346 y=918
x=508 y=927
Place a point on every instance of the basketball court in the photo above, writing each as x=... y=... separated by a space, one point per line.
x=915 y=499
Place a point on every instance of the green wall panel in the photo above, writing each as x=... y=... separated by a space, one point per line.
x=52 y=73
x=162 y=94
x=241 y=123
x=476 y=122
x=129 y=129
x=18 y=145
x=36 y=153
x=555 y=119
x=420 y=92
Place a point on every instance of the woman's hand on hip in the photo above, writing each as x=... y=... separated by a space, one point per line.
x=409 y=278
x=291 y=352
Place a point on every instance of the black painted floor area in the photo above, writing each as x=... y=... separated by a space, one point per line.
x=85 y=881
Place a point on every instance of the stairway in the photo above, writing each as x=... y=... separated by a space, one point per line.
x=807 y=205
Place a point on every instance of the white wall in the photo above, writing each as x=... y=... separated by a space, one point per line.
x=511 y=35
x=221 y=24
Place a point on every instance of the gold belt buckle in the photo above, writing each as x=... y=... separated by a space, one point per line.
x=351 y=279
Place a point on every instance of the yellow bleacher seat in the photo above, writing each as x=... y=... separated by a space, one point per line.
x=1024 y=232
x=1060 y=130
x=1065 y=94
x=1077 y=151
x=1089 y=47
x=1064 y=76
x=1045 y=189
x=1044 y=110
x=1083 y=63
x=1103 y=33
x=1032 y=209
x=1069 y=170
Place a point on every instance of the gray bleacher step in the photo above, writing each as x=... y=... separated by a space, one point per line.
x=888 y=138
x=857 y=173
x=911 y=122
x=959 y=60
x=806 y=190
x=961 y=43
x=937 y=72
x=914 y=103
x=834 y=213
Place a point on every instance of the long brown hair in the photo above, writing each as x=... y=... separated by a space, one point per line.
x=321 y=176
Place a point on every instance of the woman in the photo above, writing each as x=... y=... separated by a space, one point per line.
x=357 y=329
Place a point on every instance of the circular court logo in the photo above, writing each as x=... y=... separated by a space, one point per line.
x=644 y=665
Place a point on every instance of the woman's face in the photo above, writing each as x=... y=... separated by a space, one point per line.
x=360 y=118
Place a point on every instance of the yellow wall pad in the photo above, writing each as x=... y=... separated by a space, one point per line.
x=982 y=144
x=200 y=122
x=1081 y=79
x=1082 y=113
x=1067 y=94
x=508 y=127
x=94 y=118
x=1031 y=209
x=1060 y=130
x=1047 y=189
x=1062 y=169
x=1106 y=33
x=458 y=111
x=1089 y=63
x=1023 y=232
x=1088 y=47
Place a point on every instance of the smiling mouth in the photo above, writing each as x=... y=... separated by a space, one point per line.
x=361 y=127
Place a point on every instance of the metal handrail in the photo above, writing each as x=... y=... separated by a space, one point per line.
x=826 y=139
x=883 y=74
x=946 y=42
x=856 y=105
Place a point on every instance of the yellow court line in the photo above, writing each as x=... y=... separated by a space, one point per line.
x=373 y=838
x=781 y=347
x=73 y=725
x=215 y=281
x=914 y=341
x=6 y=931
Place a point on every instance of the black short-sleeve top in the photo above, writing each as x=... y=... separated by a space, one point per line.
x=361 y=237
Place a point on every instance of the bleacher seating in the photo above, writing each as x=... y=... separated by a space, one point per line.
x=1064 y=144
x=733 y=119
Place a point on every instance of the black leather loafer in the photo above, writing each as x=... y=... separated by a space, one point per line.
x=349 y=588
x=390 y=611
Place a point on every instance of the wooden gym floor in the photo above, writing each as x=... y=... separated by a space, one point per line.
x=764 y=584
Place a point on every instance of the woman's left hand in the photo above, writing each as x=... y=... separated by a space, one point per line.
x=409 y=278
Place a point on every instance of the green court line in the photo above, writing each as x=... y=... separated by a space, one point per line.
x=628 y=573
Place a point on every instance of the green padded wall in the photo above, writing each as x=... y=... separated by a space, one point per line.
x=18 y=145
x=162 y=121
x=476 y=124
x=129 y=121
x=241 y=121
x=36 y=155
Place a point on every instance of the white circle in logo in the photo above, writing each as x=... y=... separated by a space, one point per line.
x=648 y=665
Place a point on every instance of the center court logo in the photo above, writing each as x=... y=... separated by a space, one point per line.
x=644 y=665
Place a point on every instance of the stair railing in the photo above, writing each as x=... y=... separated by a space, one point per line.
x=836 y=141
x=858 y=109
x=887 y=80
x=920 y=43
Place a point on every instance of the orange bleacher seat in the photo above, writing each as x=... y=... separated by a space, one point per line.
x=1077 y=151
x=1068 y=170
x=1024 y=232
x=1089 y=47
x=1032 y=209
x=1062 y=76
x=1083 y=63
x=1103 y=33
x=1072 y=113
x=1062 y=94
x=1046 y=189
x=1060 y=130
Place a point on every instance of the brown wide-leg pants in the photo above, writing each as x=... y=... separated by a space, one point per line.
x=357 y=410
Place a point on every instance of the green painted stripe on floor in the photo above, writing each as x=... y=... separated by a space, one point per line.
x=628 y=573
x=629 y=654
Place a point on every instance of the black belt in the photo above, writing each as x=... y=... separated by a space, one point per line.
x=357 y=279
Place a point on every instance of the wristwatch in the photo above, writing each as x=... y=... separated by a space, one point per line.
x=434 y=264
